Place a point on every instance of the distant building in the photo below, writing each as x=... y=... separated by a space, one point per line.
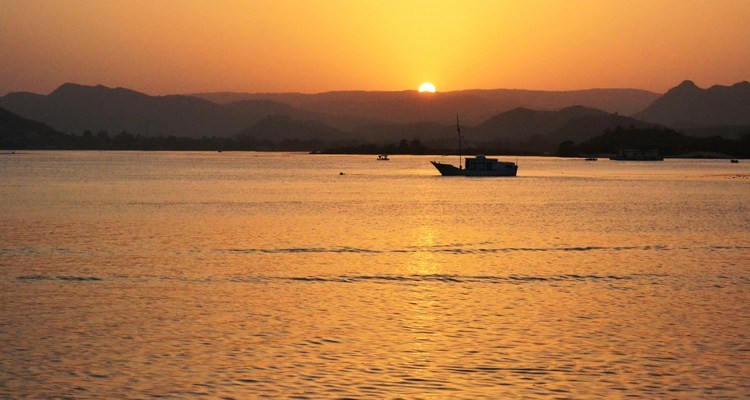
x=638 y=155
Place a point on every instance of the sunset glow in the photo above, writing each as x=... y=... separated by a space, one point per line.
x=315 y=46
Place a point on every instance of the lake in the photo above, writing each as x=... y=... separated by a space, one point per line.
x=252 y=275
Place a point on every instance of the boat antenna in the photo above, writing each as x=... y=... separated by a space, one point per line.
x=458 y=128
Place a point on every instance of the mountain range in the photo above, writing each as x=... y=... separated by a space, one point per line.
x=514 y=118
x=522 y=123
x=75 y=108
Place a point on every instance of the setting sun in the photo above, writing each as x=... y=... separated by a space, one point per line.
x=427 y=87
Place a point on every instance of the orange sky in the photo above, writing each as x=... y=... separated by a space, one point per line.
x=183 y=46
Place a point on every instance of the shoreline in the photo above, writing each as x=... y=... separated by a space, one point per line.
x=688 y=156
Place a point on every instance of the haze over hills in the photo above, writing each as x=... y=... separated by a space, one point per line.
x=688 y=106
x=474 y=106
x=521 y=124
x=74 y=108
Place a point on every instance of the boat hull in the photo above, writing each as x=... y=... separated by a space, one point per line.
x=507 y=169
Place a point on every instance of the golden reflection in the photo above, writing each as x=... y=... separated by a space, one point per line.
x=422 y=261
x=423 y=319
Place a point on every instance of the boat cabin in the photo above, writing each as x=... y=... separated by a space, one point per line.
x=482 y=163
x=383 y=157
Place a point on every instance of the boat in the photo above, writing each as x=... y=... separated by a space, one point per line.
x=383 y=157
x=735 y=161
x=591 y=159
x=476 y=166
x=637 y=155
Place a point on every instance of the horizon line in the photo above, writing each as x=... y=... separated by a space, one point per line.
x=312 y=93
x=325 y=91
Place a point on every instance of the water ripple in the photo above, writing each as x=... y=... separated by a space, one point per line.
x=385 y=278
x=380 y=278
x=461 y=249
x=457 y=249
x=58 y=278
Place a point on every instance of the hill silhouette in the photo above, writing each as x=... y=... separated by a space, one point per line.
x=21 y=133
x=578 y=129
x=18 y=133
x=280 y=127
x=688 y=106
x=521 y=124
x=315 y=121
x=75 y=108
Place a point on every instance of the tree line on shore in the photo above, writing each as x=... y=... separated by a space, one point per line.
x=667 y=141
x=127 y=141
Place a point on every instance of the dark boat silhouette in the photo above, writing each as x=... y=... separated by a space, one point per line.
x=476 y=166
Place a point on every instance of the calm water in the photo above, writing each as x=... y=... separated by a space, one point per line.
x=244 y=275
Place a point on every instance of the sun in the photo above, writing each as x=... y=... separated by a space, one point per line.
x=427 y=87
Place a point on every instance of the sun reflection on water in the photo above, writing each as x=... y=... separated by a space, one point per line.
x=423 y=262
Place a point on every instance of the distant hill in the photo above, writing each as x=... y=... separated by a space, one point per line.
x=74 y=108
x=275 y=132
x=280 y=127
x=578 y=129
x=21 y=133
x=474 y=106
x=521 y=124
x=688 y=106
x=727 y=131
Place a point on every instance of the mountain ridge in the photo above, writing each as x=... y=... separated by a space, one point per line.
x=521 y=124
x=689 y=106
x=74 y=108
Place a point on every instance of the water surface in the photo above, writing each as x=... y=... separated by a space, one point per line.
x=243 y=275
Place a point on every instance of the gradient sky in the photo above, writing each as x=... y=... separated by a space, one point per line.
x=184 y=46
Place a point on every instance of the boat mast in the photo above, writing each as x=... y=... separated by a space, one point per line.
x=458 y=128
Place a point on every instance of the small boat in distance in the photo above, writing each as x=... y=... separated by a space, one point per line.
x=476 y=166
x=383 y=157
x=735 y=161
x=591 y=159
